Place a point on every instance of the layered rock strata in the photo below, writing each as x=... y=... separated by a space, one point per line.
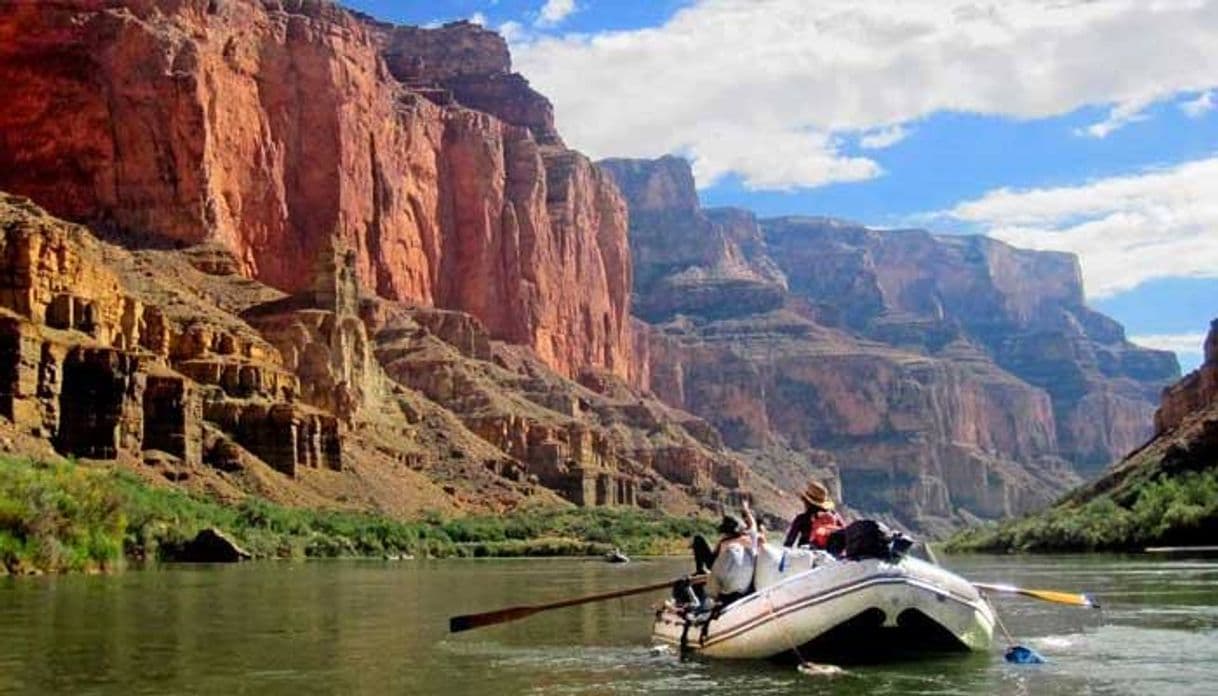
x=686 y=262
x=99 y=370
x=1024 y=309
x=171 y=362
x=273 y=128
x=1155 y=496
x=1196 y=392
x=596 y=442
x=940 y=377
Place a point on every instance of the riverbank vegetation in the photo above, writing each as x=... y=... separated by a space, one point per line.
x=66 y=517
x=1147 y=510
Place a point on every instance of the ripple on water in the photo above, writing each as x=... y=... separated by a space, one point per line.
x=1132 y=659
x=638 y=670
x=356 y=628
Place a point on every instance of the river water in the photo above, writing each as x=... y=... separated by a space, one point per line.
x=371 y=627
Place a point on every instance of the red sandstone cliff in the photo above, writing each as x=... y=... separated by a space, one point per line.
x=318 y=151
x=1180 y=459
x=686 y=262
x=1024 y=309
x=170 y=362
x=939 y=377
x=274 y=126
x=1197 y=392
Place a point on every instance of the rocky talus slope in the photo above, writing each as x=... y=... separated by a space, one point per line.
x=173 y=362
x=1163 y=493
x=937 y=378
x=322 y=259
x=1186 y=434
x=277 y=247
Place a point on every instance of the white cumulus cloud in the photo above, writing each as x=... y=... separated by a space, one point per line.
x=769 y=89
x=513 y=31
x=1187 y=343
x=1119 y=116
x=554 y=12
x=884 y=137
x=1126 y=230
x=1202 y=105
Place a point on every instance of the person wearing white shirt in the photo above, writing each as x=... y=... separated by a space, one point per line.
x=735 y=558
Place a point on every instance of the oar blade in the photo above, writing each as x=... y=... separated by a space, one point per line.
x=1078 y=600
x=467 y=622
x=1072 y=598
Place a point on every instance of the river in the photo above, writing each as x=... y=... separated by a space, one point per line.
x=380 y=628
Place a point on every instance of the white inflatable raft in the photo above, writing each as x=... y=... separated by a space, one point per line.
x=840 y=609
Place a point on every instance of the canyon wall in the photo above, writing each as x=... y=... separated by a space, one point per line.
x=1023 y=309
x=939 y=377
x=277 y=127
x=170 y=362
x=246 y=170
x=1197 y=392
x=684 y=262
x=1157 y=495
x=242 y=172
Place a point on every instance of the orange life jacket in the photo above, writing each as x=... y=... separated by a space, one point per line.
x=821 y=525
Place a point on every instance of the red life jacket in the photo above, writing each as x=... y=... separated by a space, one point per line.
x=821 y=525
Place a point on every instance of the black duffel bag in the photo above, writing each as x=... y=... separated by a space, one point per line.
x=867 y=539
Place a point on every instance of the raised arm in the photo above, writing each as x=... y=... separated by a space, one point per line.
x=750 y=524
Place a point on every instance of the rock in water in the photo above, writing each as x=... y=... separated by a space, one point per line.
x=212 y=546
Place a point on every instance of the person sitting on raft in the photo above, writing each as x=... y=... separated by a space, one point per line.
x=813 y=526
x=734 y=559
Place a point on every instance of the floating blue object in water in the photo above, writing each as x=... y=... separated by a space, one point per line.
x=1023 y=655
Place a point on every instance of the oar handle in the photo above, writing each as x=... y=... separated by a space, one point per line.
x=694 y=580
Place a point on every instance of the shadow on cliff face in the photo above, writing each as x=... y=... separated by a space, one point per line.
x=945 y=377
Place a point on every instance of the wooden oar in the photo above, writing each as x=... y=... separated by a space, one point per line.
x=1071 y=598
x=466 y=622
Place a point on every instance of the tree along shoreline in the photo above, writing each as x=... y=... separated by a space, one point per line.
x=1149 y=507
x=67 y=517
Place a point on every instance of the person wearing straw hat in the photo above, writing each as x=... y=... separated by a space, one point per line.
x=813 y=526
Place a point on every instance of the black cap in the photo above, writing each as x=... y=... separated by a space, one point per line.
x=731 y=525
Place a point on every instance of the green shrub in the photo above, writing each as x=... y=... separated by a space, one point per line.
x=66 y=517
x=1154 y=510
x=58 y=517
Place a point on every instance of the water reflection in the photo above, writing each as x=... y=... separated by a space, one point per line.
x=368 y=627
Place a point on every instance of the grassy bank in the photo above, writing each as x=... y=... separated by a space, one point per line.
x=70 y=518
x=1148 y=510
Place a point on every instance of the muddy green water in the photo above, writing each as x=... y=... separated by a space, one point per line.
x=380 y=628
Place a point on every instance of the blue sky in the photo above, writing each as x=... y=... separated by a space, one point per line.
x=1088 y=127
x=588 y=15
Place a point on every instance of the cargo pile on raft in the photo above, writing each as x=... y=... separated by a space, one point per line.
x=831 y=590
